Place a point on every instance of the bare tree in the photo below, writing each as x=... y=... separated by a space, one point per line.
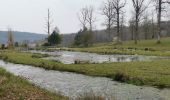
x=86 y=17
x=153 y=26
x=146 y=25
x=83 y=17
x=48 y=24
x=160 y=6
x=90 y=17
x=118 y=5
x=132 y=27
x=109 y=13
x=139 y=8
x=122 y=25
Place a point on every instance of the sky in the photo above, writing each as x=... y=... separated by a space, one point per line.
x=29 y=15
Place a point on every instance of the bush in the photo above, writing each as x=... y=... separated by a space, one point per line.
x=54 y=39
x=5 y=58
x=121 y=77
x=3 y=46
x=39 y=55
x=46 y=44
x=81 y=62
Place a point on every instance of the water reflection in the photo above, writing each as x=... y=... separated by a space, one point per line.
x=68 y=57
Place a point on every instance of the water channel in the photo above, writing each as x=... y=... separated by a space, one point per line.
x=68 y=57
x=73 y=85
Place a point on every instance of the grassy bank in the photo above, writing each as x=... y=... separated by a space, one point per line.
x=155 y=73
x=15 y=88
x=145 y=47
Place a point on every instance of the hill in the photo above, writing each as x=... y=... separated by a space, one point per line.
x=21 y=36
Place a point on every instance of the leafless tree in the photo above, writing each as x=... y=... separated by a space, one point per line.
x=109 y=13
x=83 y=17
x=139 y=8
x=118 y=5
x=48 y=24
x=86 y=17
x=153 y=26
x=132 y=27
x=122 y=25
x=90 y=17
x=146 y=25
x=160 y=6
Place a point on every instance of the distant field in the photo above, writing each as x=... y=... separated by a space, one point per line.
x=154 y=73
x=144 y=47
x=15 y=88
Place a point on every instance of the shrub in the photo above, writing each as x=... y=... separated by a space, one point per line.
x=46 y=44
x=39 y=55
x=121 y=77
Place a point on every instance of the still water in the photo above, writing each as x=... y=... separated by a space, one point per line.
x=68 y=57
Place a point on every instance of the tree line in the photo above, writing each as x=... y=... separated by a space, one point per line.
x=144 y=14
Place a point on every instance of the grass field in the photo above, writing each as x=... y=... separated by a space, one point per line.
x=155 y=73
x=145 y=47
x=15 y=88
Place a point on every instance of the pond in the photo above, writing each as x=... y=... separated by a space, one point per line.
x=68 y=57
x=73 y=85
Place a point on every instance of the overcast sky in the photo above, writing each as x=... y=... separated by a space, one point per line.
x=29 y=15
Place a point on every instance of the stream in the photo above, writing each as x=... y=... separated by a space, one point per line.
x=74 y=85
x=69 y=57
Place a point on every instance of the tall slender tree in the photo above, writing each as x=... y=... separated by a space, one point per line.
x=122 y=26
x=139 y=7
x=86 y=17
x=82 y=16
x=118 y=5
x=160 y=6
x=90 y=17
x=109 y=13
x=132 y=27
x=48 y=24
x=153 y=26
x=146 y=25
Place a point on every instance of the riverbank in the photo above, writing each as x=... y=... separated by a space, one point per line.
x=15 y=88
x=145 y=47
x=84 y=87
x=154 y=73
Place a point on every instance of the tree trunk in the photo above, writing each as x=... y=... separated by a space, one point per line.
x=136 y=30
x=118 y=27
x=159 y=21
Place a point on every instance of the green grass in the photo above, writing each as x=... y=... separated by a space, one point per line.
x=145 y=47
x=153 y=73
x=15 y=88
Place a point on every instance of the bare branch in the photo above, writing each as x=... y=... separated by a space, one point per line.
x=118 y=5
x=82 y=16
x=110 y=15
x=139 y=8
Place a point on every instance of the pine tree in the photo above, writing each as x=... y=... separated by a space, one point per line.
x=54 y=38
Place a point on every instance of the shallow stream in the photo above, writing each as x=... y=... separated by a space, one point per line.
x=73 y=85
